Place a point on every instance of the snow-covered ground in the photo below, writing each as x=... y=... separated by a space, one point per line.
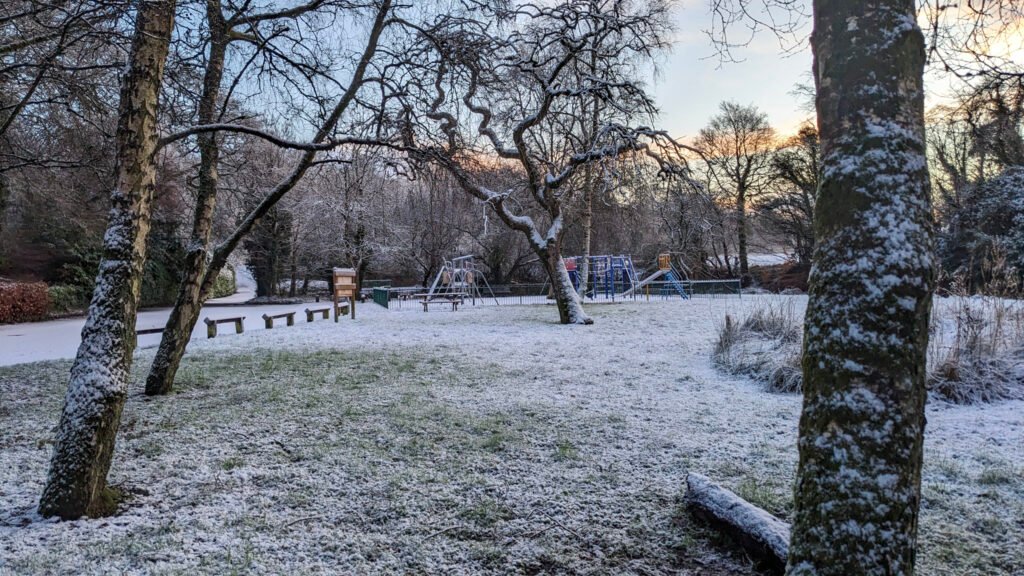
x=768 y=259
x=488 y=440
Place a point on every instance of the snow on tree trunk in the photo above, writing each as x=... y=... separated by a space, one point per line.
x=861 y=430
x=570 y=305
x=84 y=444
x=185 y=313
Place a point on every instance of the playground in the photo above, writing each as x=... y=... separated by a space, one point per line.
x=487 y=440
x=604 y=278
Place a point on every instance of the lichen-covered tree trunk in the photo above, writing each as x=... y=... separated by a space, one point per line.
x=862 y=426
x=185 y=313
x=84 y=444
x=569 y=302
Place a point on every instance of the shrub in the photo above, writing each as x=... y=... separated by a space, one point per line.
x=23 y=302
x=65 y=298
x=224 y=285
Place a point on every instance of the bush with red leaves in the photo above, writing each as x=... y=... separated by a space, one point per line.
x=23 y=302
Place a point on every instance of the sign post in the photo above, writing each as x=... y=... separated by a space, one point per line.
x=344 y=286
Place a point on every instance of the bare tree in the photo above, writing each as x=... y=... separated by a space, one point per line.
x=205 y=269
x=862 y=426
x=736 y=147
x=54 y=55
x=976 y=42
x=511 y=69
x=77 y=481
x=789 y=203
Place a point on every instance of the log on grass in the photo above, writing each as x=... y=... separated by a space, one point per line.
x=764 y=537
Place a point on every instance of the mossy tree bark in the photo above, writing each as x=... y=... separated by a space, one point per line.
x=185 y=313
x=862 y=426
x=84 y=447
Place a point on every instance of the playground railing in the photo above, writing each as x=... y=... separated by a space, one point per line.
x=537 y=293
x=694 y=289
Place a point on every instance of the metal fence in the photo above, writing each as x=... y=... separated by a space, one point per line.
x=521 y=294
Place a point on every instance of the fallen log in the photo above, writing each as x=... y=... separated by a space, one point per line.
x=764 y=537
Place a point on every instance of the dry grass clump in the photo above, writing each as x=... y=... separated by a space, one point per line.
x=977 y=350
x=764 y=346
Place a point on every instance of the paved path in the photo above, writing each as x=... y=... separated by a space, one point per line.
x=56 y=339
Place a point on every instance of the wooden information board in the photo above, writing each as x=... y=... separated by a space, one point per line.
x=344 y=287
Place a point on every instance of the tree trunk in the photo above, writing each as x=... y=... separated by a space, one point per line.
x=741 y=233
x=98 y=386
x=186 y=310
x=728 y=262
x=862 y=426
x=763 y=536
x=293 y=271
x=570 y=305
x=185 y=313
x=590 y=183
x=4 y=195
x=587 y=221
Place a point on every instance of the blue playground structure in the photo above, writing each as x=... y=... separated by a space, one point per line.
x=613 y=277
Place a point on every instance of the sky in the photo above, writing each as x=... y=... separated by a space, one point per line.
x=691 y=82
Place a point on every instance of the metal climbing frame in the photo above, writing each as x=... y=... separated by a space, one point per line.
x=608 y=275
x=460 y=277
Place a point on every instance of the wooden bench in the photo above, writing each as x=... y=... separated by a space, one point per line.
x=311 y=312
x=454 y=302
x=453 y=299
x=211 y=325
x=268 y=319
x=149 y=331
x=324 y=312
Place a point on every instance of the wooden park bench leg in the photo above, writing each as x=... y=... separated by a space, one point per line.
x=309 y=315
x=211 y=328
x=268 y=321
x=291 y=319
x=239 y=328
